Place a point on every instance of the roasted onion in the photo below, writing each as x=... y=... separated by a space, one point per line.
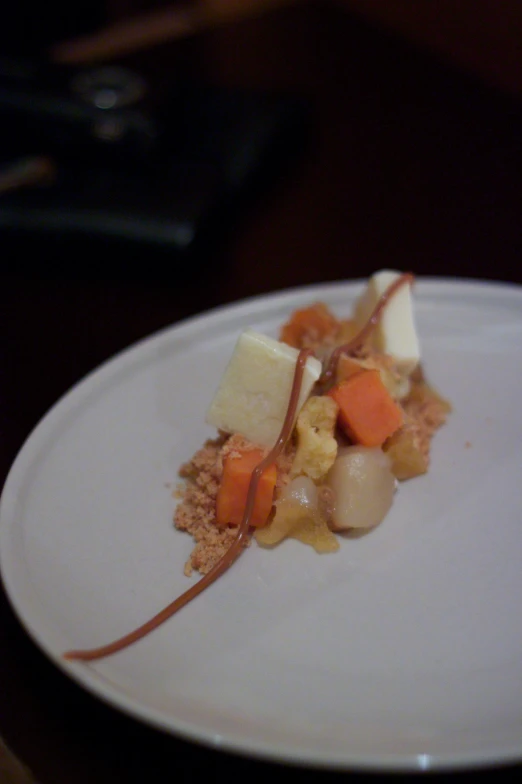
x=362 y=486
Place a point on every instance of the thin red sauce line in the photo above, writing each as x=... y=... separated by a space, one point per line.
x=238 y=544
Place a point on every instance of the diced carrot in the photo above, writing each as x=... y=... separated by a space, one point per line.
x=367 y=412
x=233 y=489
x=314 y=322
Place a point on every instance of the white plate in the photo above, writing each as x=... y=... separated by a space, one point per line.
x=403 y=651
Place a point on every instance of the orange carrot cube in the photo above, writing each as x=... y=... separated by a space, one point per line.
x=367 y=412
x=314 y=322
x=235 y=481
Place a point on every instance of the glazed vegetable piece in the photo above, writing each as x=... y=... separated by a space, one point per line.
x=314 y=322
x=298 y=515
x=367 y=412
x=231 y=498
x=362 y=486
x=404 y=450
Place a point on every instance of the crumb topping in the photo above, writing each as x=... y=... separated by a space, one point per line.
x=425 y=411
x=196 y=510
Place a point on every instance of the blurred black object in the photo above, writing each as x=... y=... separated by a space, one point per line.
x=29 y=27
x=170 y=173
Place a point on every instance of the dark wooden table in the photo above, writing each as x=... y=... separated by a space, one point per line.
x=412 y=165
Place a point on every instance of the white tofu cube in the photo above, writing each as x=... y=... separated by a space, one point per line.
x=395 y=333
x=253 y=395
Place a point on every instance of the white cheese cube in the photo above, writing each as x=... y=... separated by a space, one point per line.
x=395 y=333
x=252 y=398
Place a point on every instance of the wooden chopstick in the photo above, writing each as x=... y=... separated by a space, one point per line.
x=156 y=27
x=27 y=173
x=12 y=771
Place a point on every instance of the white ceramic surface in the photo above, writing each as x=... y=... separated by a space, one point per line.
x=403 y=651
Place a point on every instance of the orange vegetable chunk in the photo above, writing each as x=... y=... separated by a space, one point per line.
x=367 y=412
x=233 y=489
x=314 y=322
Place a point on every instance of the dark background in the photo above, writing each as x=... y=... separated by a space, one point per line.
x=408 y=161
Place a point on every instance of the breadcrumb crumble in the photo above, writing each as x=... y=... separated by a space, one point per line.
x=196 y=511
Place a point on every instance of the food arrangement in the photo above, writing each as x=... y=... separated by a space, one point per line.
x=315 y=431
x=363 y=422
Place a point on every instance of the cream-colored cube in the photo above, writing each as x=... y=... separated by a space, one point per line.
x=252 y=398
x=395 y=333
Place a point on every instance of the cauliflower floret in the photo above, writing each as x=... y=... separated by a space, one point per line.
x=316 y=444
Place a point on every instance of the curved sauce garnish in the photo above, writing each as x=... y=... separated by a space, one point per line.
x=239 y=541
x=233 y=551
x=356 y=342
